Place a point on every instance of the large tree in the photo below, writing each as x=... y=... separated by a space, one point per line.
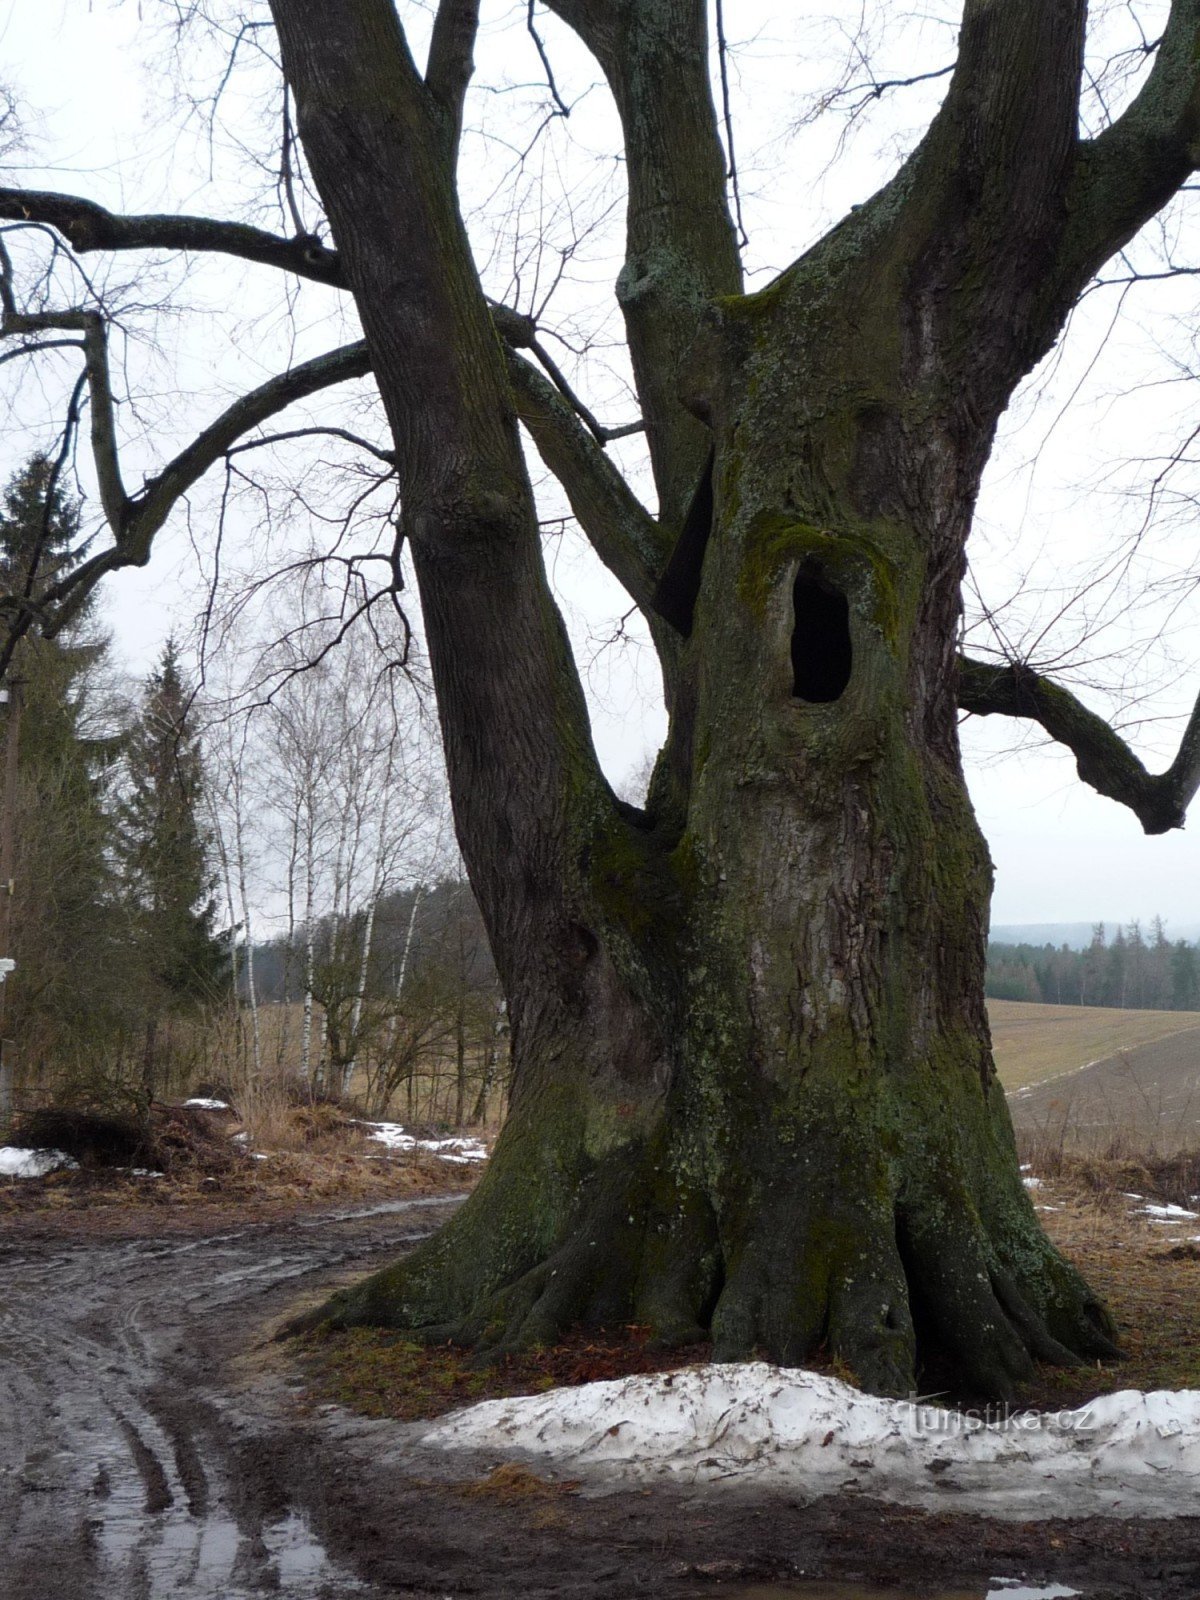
x=752 y=1085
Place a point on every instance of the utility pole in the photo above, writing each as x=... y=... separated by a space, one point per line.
x=10 y=696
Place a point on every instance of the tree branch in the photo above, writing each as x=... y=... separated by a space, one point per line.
x=621 y=531
x=1002 y=147
x=136 y=519
x=1131 y=170
x=450 y=65
x=95 y=356
x=681 y=247
x=88 y=227
x=1102 y=758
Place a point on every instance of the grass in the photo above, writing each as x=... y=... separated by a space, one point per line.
x=1036 y=1042
x=382 y=1374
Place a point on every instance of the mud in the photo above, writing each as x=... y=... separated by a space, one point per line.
x=154 y=1442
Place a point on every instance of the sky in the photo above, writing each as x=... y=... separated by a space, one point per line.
x=1058 y=498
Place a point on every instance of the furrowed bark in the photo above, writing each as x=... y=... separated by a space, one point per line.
x=529 y=799
x=753 y=1090
x=787 y=1129
x=681 y=248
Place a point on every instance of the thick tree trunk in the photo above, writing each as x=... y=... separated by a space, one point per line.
x=752 y=1088
x=788 y=1131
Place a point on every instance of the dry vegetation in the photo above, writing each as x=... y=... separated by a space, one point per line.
x=296 y=1150
x=1149 y=1274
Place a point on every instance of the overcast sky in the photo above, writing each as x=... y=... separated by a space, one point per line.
x=1057 y=502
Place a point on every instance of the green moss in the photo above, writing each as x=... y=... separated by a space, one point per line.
x=857 y=564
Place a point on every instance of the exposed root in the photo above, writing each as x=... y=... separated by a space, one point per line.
x=884 y=1282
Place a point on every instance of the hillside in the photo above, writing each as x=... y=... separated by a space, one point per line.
x=1092 y=1079
x=1035 y=1042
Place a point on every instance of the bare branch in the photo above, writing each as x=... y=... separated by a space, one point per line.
x=681 y=246
x=135 y=520
x=1102 y=758
x=561 y=105
x=388 y=457
x=1129 y=172
x=622 y=532
x=448 y=71
x=89 y=227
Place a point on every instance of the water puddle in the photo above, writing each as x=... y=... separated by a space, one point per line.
x=387 y=1208
x=996 y=1589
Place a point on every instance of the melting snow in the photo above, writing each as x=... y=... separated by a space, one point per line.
x=1169 y=1213
x=1122 y=1455
x=17 y=1163
x=201 y=1104
x=393 y=1137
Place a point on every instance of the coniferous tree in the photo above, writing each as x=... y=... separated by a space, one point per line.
x=163 y=849
x=62 y=929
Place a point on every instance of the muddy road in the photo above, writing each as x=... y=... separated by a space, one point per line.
x=153 y=1444
x=125 y=1472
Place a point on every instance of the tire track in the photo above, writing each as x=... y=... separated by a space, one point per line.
x=120 y=1475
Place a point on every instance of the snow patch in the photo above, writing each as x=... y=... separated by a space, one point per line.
x=1016 y=1589
x=1122 y=1455
x=1170 y=1213
x=393 y=1137
x=201 y=1104
x=18 y=1163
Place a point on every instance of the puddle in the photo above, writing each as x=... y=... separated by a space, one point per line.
x=387 y=1208
x=996 y=1589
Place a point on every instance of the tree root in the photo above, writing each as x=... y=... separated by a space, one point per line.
x=882 y=1286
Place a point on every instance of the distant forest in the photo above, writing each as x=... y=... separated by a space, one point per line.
x=1134 y=969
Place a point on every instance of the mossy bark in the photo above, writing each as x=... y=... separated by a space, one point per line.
x=752 y=1090
x=765 y=1105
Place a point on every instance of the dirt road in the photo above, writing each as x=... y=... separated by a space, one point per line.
x=123 y=1470
x=152 y=1445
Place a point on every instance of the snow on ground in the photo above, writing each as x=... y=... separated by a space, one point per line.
x=17 y=1163
x=393 y=1137
x=202 y=1104
x=1126 y=1454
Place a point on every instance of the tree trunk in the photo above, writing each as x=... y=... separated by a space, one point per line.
x=765 y=1107
x=752 y=1087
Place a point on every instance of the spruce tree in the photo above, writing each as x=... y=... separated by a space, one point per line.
x=163 y=849
x=62 y=930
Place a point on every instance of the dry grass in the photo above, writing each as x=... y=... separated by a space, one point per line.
x=1148 y=1275
x=1035 y=1042
x=513 y=1485
x=311 y=1152
x=384 y=1374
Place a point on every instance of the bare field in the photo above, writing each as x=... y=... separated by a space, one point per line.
x=1035 y=1042
x=1142 y=1098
